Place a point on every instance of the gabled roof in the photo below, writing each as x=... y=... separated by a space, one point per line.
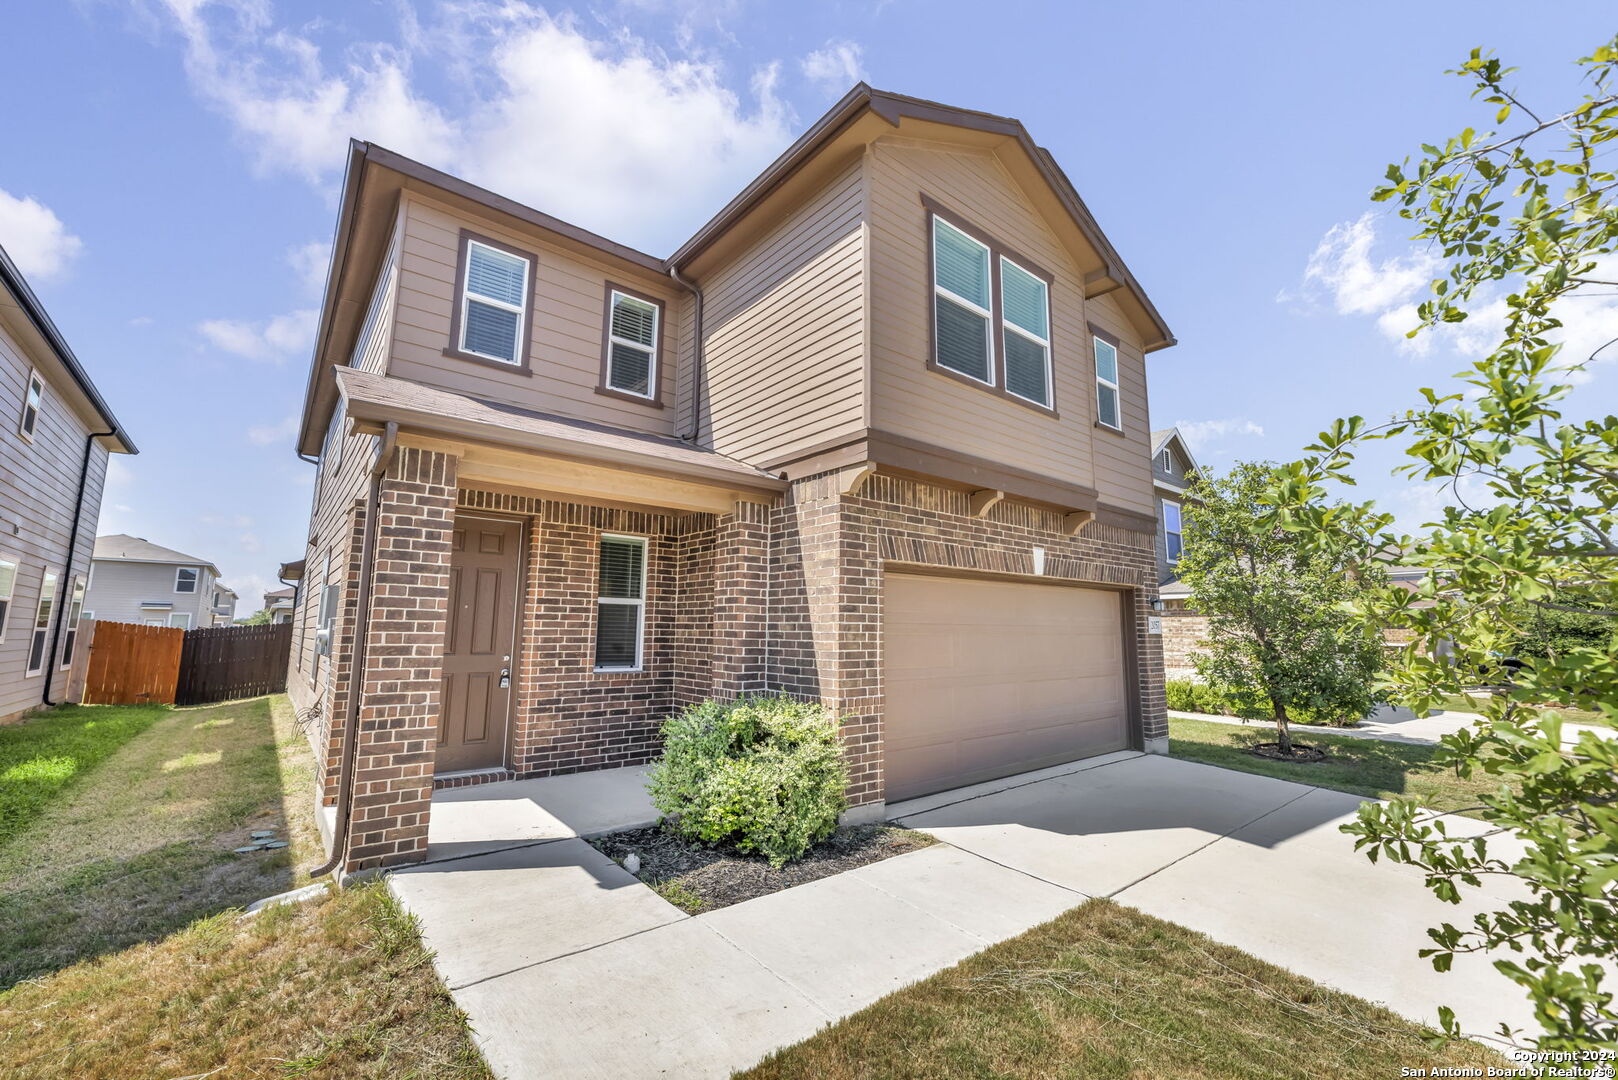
x=18 y=294
x=1161 y=437
x=124 y=548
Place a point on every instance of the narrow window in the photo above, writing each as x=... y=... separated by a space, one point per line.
x=185 y=579
x=494 y=304
x=180 y=619
x=621 y=604
x=75 y=612
x=1173 y=538
x=8 y=588
x=631 y=352
x=42 y=623
x=961 y=317
x=1168 y=462
x=1025 y=316
x=1107 y=384
x=31 y=405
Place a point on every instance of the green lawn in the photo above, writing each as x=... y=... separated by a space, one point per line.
x=1105 y=991
x=1473 y=703
x=43 y=757
x=119 y=905
x=1372 y=767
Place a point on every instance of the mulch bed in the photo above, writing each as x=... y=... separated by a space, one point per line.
x=1301 y=754
x=695 y=877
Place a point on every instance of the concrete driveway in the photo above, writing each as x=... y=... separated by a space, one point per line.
x=569 y=967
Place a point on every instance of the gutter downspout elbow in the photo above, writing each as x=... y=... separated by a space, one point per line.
x=698 y=369
x=67 y=567
x=356 y=667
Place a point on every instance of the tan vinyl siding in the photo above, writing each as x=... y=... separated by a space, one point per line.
x=565 y=335
x=784 y=327
x=38 y=489
x=908 y=399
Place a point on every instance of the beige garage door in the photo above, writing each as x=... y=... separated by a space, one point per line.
x=987 y=678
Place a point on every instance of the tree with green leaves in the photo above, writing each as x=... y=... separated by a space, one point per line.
x=1526 y=219
x=1278 y=633
x=261 y=617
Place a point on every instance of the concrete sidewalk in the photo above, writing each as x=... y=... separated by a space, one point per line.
x=1392 y=725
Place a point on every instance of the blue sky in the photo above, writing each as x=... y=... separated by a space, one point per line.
x=169 y=171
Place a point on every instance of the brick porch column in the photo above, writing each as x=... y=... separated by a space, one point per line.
x=1154 y=715
x=398 y=719
x=741 y=595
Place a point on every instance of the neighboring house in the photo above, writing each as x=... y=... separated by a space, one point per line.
x=875 y=435
x=55 y=435
x=137 y=581
x=1173 y=468
x=278 y=602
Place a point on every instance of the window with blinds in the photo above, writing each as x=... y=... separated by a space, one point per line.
x=494 y=303
x=1107 y=384
x=1025 y=318
x=621 y=604
x=961 y=316
x=632 y=329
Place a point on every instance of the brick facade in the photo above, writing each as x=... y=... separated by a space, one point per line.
x=1183 y=632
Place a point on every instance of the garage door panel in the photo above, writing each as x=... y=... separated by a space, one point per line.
x=986 y=678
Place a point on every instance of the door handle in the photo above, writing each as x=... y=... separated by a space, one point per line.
x=505 y=677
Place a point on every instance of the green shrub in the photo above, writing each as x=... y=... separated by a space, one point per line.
x=765 y=773
x=1187 y=695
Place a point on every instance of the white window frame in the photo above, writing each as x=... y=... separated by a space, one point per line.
x=1179 y=513
x=186 y=615
x=11 y=595
x=988 y=316
x=1168 y=460
x=1044 y=342
x=70 y=623
x=521 y=310
x=640 y=620
x=195 y=581
x=35 y=630
x=654 y=360
x=1096 y=342
x=34 y=379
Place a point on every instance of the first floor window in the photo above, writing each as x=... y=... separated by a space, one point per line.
x=180 y=620
x=185 y=579
x=1173 y=537
x=961 y=317
x=8 y=586
x=494 y=303
x=632 y=326
x=1107 y=383
x=621 y=604
x=42 y=623
x=31 y=406
x=75 y=612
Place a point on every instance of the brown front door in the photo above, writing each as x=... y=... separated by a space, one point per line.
x=478 y=647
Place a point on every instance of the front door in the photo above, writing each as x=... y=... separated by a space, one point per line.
x=483 y=581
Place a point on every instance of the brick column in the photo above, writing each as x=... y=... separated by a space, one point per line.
x=741 y=600
x=398 y=719
x=1154 y=716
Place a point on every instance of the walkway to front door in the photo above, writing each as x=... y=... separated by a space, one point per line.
x=479 y=642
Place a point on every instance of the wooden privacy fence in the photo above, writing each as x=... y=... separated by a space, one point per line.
x=132 y=664
x=224 y=662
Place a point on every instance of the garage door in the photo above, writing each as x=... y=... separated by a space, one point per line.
x=987 y=678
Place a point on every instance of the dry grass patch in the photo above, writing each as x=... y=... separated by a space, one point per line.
x=1105 y=991
x=336 y=987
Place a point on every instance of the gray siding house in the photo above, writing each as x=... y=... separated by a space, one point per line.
x=55 y=435
x=1173 y=468
x=137 y=581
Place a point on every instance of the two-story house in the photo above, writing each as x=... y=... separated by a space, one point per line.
x=55 y=435
x=1173 y=468
x=875 y=435
x=137 y=581
x=278 y=602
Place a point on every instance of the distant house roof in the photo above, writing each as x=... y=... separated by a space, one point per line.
x=123 y=548
x=1161 y=437
x=279 y=597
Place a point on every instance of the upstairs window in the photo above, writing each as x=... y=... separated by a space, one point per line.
x=1173 y=537
x=1107 y=412
x=8 y=588
x=1025 y=311
x=621 y=604
x=185 y=579
x=630 y=355
x=493 y=314
x=961 y=316
x=31 y=404
x=75 y=612
x=42 y=623
x=1168 y=461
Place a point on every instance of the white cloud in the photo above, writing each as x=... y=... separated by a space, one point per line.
x=274 y=341
x=837 y=67
x=609 y=132
x=141 y=320
x=309 y=261
x=35 y=237
x=267 y=434
x=1207 y=432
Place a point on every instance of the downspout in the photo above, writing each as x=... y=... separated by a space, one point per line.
x=697 y=369
x=66 y=588
x=356 y=666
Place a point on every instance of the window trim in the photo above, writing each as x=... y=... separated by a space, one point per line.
x=989 y=314
x=11 y=597
x=186 y=615
x=34 y=629
x=1007 y=325
x=76 y=594
x=640 y=621
x=525 y=329
x=997 y=351
x=1098 y=334
x=654 y=380
x=1163 y=517
x=196 y=582
x=23 y=431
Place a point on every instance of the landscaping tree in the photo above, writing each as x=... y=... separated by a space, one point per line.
x=1529 y=226
x=1278 y=632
